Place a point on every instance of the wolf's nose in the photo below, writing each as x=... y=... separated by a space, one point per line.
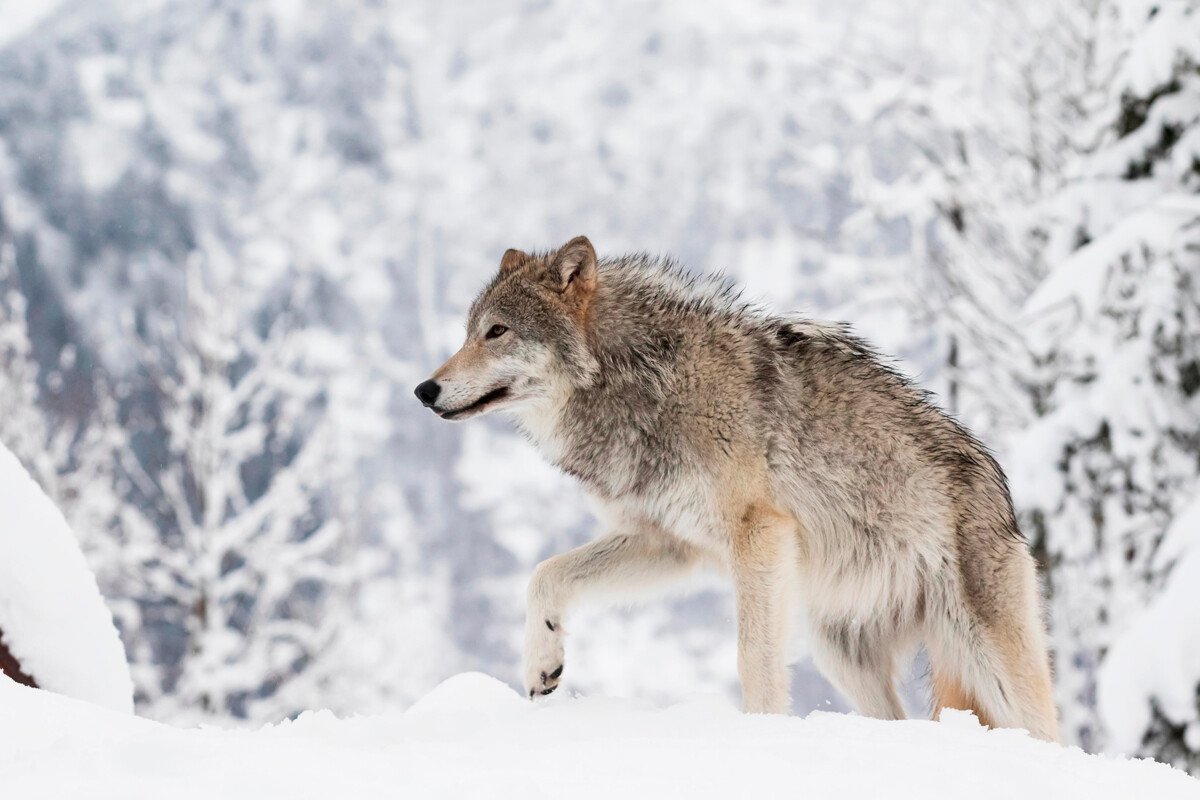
x=428 y=392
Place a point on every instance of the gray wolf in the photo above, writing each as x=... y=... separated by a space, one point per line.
x=781 y=451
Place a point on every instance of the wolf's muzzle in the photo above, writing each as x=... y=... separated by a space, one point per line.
x=428 y=392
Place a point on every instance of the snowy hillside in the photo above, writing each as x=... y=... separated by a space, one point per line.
x=473 y=737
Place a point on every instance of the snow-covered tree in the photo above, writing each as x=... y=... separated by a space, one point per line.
x=23 y=426
x=252 y=493
x=978 y=138
x=1114 y=329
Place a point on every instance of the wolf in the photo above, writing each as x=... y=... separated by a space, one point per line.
x=782 y=451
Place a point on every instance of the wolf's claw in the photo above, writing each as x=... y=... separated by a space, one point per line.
x=548 y=683
x=543 y=652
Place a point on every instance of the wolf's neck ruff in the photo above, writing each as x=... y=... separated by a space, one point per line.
x=783 y=451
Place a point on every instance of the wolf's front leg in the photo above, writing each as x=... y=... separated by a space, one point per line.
x=615 y=564
x=763 y=566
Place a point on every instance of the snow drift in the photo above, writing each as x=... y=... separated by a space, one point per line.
x=476 y=737
x=51 y=614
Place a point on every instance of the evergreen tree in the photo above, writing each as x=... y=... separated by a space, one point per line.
x=1114 y=330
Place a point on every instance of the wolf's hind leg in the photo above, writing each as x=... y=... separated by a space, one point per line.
x=615 y=564
x=763 y=571
x=860 y=665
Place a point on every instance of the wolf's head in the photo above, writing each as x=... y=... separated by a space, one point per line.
x=526 y=335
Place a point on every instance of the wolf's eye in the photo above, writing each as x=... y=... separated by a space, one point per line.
x=496 y=330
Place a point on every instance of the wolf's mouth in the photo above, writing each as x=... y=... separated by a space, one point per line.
x=478 y=405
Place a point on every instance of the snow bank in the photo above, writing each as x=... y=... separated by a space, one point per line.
x=475 y=737
x=51 y=614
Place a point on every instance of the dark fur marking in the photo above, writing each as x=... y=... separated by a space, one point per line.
x=852 y=640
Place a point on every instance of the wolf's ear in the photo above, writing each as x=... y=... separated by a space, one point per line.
x=574 y=268
x=512 y=259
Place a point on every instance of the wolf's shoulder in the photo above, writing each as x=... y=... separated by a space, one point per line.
x=821 y=335
x=833 y=349
x=662 y=284
x=644 y=285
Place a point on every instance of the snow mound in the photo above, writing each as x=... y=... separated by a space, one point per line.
x=52 y=617
x=475 y=737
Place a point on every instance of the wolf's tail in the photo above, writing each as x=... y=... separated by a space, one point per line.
x=998 y=669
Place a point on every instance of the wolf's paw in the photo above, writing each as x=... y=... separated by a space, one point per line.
x=544 y=683
x=543 y=656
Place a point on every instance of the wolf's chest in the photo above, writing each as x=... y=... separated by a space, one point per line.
x=661 y=487
x=632 y=456
x=615 y=460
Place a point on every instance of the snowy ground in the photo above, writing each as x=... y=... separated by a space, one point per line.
x=475 y=737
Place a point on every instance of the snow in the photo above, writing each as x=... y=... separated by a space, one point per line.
x=21 y=16
x=51 y=614
x=1183 y=535
x=1158 y=659
x=473 y=736
x=103 y=155
x=1169 y=35
x=1079 y=279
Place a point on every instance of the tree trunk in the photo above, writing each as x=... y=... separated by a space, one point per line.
x=11 y=667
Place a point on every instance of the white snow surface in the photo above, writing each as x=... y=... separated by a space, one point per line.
x=473 y=736
x=52 y=616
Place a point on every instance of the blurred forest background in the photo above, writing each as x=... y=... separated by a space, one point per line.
x=234 y=235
